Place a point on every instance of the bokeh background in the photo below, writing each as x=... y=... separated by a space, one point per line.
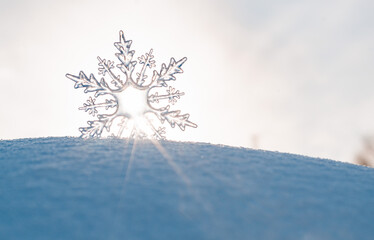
x=291 y=76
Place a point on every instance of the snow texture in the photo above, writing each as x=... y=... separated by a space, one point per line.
x=71 y=188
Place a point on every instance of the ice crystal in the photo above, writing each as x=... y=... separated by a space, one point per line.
x=127 y=106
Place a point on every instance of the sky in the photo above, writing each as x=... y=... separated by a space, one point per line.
x=288 y=76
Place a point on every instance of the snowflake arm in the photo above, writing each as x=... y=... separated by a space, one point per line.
x=147 y=61
x=91 y=107
x=167 y=73
x=172 y=96
x=174 y=117
x=94 y=129
x=125 y=55
x=106 y=67
x=90 y=84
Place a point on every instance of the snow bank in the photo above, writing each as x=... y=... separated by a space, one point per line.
x=69 y=188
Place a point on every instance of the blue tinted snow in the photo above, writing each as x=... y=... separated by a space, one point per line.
x=70 y=188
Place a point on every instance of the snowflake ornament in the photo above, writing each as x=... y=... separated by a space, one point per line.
x=127 y=106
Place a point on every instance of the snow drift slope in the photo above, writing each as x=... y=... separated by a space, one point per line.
x=69 y=188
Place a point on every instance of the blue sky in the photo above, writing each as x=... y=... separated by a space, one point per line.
x=296 y=74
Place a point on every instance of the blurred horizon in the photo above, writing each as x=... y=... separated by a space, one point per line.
x=290 y=76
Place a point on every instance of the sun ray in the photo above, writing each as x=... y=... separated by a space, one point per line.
x=129 y=164
x=171 y=162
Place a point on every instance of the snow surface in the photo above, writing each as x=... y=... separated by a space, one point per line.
x=70 y=188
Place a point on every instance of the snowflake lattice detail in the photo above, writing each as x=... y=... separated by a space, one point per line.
x=130 y=107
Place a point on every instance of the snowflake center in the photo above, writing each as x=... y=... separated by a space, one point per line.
x=132 y=103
